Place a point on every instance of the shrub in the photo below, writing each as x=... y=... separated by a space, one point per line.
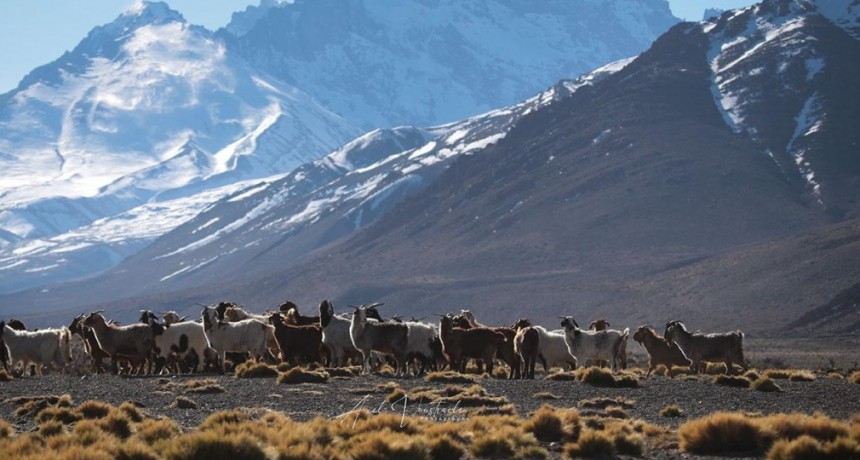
x=94 y=409
x=131 y=411
x=765 y=384
x=720 y=432
x=598 y=377
x=591 y=444
x=445 y=448
x=215 y=446
x=150 y=431
x=251 y=369
x=63 y=415
x=545 y=424
x=449 y=377
x=801 y=376
x=182 y=402
x=732 y=381
x=492 y=445
x=299 y=375
x=672 y=410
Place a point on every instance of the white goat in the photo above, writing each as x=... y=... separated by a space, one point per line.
x=48 y=347
x=335 y=335
x=235 y=313
x=182 y=339
x=607 y=345
x=246 y=336
x=553 y=351
x=419 y=339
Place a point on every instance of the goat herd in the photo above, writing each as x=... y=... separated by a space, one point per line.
x=227 y=332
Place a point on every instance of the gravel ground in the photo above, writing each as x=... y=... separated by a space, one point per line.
x=836 y=398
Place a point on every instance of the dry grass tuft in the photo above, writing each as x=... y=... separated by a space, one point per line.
x=766 y=384
x=6 y=430
x=203 y=386
x=752 y=375
x=298 y=375
x=182 y=402
x=211 y=445
x=63 y=415
x=116 y=423
x=672 y=410
x=835 y=376
x=152 y=431
x=854 y=377
x=801 y=376
x=94 y=409
x=720 y=432
x=353 y=371
x=545 y=395
x=545 y=425
x=603 y=402
x=808 y=448
x=591 y=444
x=449 y=377
x=598 y=377
x=131 y=411
x=732 y=381
x=562 y=376
x=385 y=444
x=252 y=370
x=445 y=448
x=5 y=376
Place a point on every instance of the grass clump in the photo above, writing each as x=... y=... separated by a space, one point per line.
x=254 y=370
x=116 y=423
x=152 y=431
x=598 y=377
x=212 y=445
x=446 y=448
x=672 y=410
x=545 y=395
x=6 y=430
x=449 y=377
x=752 y=375
x=766 y=384
x=203 y=386
x=732 y=381
x=591 y=444
x=545 y=425
x=298 y=375
x=5 y=376
x=131 y=411
x=720 y=432
x=801 y=376
x=492 y=445
x=385 y=445
x=807 y=447
x=603 y=402
x=854 y=377
x=63 y=415
x=94 y=409
x=562 y=377
x=182 y=402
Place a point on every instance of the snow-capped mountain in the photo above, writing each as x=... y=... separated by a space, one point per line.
x=147 y=114
x=385 y=63
x=782 y=75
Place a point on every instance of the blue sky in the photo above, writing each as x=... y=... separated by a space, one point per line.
x=35 y=32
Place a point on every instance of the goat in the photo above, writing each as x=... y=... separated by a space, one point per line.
x=292 y=315
x=598 y=325
x=246 y=336
x=91 y=344
x=297 y=342
x=235 y=313
x=727 y=347
x=4 y=355
x=133 y=342
x=386 y=338
x=420 y=343
x=458 y=344
x=48 y=347
x=607 y=345
x=660 y=350
x=505 y=352
x=335 y=335
x=552 y=349
x=181 y=343
x=527 y=346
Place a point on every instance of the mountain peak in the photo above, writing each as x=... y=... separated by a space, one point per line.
x=147 y=12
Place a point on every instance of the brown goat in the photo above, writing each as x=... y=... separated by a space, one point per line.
x=660 y=351
x=91 y=344
x=505 y=352
x=297 y=342
x=527 y=346
x=133 y=342
x=459 y=345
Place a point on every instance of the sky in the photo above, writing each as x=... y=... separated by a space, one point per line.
x=36 y=32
